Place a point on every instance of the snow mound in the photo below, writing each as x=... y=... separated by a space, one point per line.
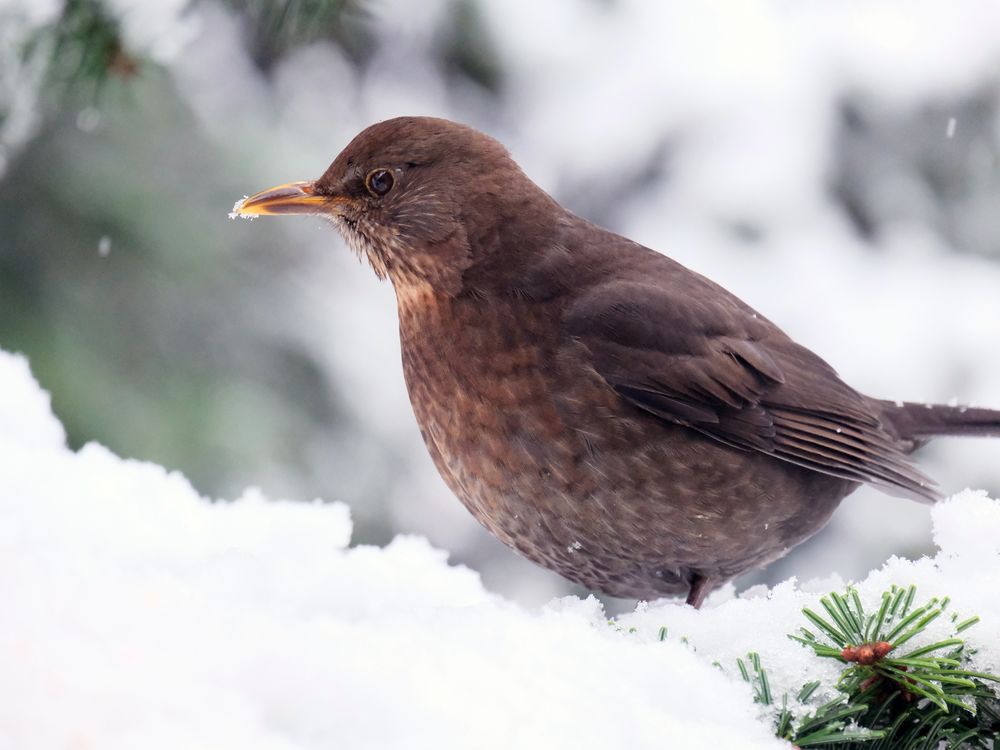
x=137 y=613
x=26 y=419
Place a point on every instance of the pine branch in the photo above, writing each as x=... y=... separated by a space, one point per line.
x=274 y=27
x=85 y=46
x=924 y=698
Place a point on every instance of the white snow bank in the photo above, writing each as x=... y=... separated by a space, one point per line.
x=136 y=613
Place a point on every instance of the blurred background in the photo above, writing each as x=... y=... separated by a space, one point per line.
x=833 y=162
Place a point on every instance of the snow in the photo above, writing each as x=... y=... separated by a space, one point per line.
x=138 y=613
x=25 y=410
x=235 y=213
x=89 y=119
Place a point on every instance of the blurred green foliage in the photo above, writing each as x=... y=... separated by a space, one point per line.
x=139 y=322
x=122 y=280
x=275 y=28
x=85 y=45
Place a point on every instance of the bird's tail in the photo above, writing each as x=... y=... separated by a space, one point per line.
x=919 y=422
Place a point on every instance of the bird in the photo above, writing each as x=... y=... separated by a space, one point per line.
x=600 y=408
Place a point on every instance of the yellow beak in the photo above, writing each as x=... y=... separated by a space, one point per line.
x=292 y=198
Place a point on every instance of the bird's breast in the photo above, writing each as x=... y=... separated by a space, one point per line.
x=479 y=374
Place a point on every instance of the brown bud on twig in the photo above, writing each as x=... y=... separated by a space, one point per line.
x=866 y=653
x=120 y=62
x=882 y=648
x=850 y=653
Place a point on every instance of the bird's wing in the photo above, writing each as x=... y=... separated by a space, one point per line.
x=706 y=361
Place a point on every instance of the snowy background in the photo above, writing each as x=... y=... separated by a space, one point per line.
x=834 y=163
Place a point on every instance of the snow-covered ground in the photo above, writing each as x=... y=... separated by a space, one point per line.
x=137 y=613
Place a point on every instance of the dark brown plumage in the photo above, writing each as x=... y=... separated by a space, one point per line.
x=598 y=407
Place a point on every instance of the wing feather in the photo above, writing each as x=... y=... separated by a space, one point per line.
x=720 y=369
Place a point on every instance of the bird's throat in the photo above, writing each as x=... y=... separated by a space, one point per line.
x=415 y=298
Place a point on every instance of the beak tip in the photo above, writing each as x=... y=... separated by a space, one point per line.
x=238 y=213
x=290 y=198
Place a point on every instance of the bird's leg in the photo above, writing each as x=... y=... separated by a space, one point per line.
x=700 y=586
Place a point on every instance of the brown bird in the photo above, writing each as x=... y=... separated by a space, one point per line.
x=597 y=406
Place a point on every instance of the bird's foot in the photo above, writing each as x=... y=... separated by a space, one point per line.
x=700 y=588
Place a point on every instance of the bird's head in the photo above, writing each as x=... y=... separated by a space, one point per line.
x=422 y=199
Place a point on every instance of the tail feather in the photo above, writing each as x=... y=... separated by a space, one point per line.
x=918 y=422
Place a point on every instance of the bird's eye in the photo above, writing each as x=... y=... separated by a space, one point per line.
x=379 y=182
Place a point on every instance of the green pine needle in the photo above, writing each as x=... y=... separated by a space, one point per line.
x=924 y=698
